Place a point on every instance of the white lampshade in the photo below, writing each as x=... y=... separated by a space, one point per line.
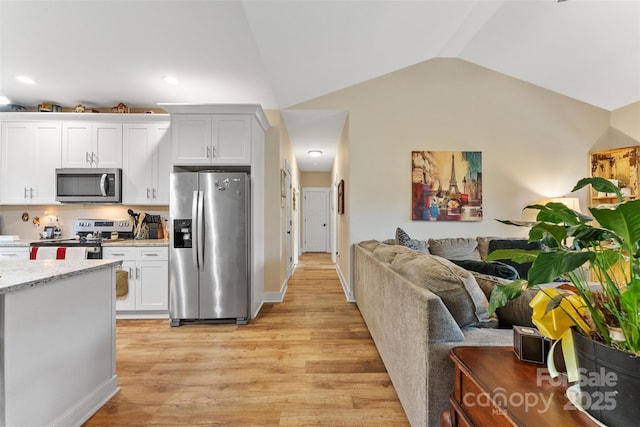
x=572 y=203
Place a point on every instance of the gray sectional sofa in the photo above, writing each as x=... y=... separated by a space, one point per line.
x=417 y=306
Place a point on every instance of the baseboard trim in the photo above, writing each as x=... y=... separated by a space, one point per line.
x=345 y=287
x=89 y=406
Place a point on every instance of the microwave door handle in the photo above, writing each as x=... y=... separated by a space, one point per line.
x=103 y=184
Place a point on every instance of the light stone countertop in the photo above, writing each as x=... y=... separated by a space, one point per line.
x=15 y=243
x=146 y=242
x=128 y=242
x=16 y=275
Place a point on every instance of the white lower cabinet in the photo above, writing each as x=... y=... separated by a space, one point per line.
x=147 y=270
x=9 y=253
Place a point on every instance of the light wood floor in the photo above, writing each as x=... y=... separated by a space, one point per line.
x=306 y=361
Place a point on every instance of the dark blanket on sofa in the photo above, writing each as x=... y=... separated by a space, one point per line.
x=494 y=268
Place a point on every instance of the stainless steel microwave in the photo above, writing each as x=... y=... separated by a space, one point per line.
x=89 y=185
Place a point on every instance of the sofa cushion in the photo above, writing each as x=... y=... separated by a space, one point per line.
x=493 y=268
x=455 y=286
x=523 y=269
x=515 y=312
x=403 y=239
x=387 y=253
x=455 y=248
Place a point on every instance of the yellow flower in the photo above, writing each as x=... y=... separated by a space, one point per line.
x=554 y=323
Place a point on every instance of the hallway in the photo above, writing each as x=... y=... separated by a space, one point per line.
x=306 y=361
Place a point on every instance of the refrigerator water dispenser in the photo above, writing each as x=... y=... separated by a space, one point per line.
x=182 y=233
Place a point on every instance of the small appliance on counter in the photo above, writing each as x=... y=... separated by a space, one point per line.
x=51 y=232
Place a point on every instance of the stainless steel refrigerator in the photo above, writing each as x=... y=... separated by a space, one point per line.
x=209 y=261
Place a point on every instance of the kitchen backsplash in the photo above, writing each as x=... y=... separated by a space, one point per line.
x=12 y=223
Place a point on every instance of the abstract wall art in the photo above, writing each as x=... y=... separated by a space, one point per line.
x=446 y=185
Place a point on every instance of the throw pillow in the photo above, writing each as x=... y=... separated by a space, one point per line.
x=455 y=248
x=494 y=268
x=515 y=312
x=455 y=286
x=523 y=269
x=403 y=239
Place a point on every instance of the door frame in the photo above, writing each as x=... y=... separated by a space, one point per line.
x=289 y=234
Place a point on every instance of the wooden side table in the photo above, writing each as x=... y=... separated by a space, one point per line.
x=494 y=388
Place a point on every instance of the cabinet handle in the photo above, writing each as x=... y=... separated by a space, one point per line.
x=213 y=150
x=7 y=255
x=208 y=152
x=148 y=193
x=94 y=158
x=87 y=159
x=130 y=273
x=116 y=254
x=30 y=192
x=137 y=273
x=153 y=192
x=150 y=254
x=25 y=193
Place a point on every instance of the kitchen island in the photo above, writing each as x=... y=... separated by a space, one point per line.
x=57 y=340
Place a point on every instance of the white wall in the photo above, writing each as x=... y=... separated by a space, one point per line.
x=534 y=143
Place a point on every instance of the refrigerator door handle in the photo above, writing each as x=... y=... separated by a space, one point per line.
x=194 y=230
x=200 y=242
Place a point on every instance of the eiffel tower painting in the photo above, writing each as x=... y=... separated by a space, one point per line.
x=436 y=195
x=453 y=182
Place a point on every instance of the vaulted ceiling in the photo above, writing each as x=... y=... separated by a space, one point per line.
x=278 y=53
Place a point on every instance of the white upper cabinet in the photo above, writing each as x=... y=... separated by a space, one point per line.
x=211 y=139
x=145 y=163
x=30 y=155
x=91 y=145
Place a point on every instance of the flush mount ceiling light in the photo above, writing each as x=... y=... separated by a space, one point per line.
x=25 y=79
x=314 y=153
x=170 y=80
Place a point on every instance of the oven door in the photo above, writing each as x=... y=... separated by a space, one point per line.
x=52 y=249
x=90 y=185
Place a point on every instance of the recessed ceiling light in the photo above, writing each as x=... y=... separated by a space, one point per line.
x=170 y=80
x=25 y=80
x=314 y=153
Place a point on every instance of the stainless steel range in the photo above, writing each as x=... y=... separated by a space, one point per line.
x=91 y=233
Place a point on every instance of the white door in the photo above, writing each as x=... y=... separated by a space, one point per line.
x=316 y=219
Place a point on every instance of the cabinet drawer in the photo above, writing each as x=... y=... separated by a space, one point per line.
x=14 y=253
x=153 y=254
x=120 y=252
x=133 y=253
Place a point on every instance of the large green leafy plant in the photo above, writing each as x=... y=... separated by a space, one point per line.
x=609 y=247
